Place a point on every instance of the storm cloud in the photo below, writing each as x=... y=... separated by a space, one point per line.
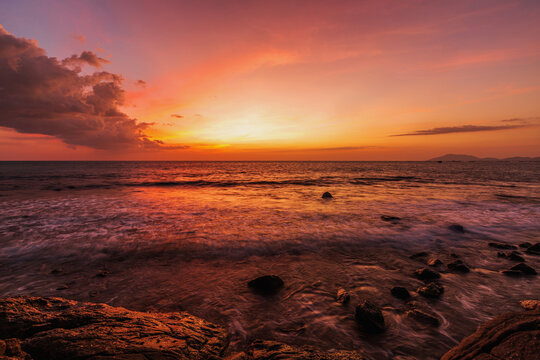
x=462 y=129
x=43 y=95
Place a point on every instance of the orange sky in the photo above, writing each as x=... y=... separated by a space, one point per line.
x=300 y=80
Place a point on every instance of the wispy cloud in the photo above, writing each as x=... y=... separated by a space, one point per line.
x=177 y=116
x=464 y=129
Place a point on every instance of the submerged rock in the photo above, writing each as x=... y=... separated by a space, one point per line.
x=266 y=285
x=56 y=328
x=435 y=262
x=400 y=292
x=370 y=318
x=432 y=290
x=534 y=249
x=327 y=195
x=342 y=296
x=423 y=317
x=458 y=266
x=457 y=228
x=525 y=245
x=524 y=268
x=418 y=255
x=390 y=218
x=426 y=274
x=509 y=336
x=502 y=246
x=514 y=256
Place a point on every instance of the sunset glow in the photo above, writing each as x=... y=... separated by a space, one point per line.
x=295 y=80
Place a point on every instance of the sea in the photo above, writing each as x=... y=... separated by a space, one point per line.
x=188 y=236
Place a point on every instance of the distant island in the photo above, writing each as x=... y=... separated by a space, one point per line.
x=461 y=157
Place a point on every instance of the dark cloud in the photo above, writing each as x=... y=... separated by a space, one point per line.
x=42 y=95
x=462 y=129
x=177 y=116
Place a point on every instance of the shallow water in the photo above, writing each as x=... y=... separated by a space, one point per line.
x=188 y=236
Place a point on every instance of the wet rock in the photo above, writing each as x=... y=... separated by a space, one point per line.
x=62 y=287
x=272 y=350
x=266 y=285
x=370 y=318
x=423 y=317
x=57 y=271
x=418 y=255
x=55 y=328
x=525 y=245
x=534 y=249
x=390 y=218
x=509 y=336
x=426 y=274
x=342 y=296
x=432 y=290
x=454 y=255
x=458 y=266
x=524 y=268
x=327 y=195
x=514 y=256
x=530 y=304
x=434 y=262
x=10 y=349
x=400 y=292
x=457 y=228
x=502 y=246
x=513 y=273
x=102 y=273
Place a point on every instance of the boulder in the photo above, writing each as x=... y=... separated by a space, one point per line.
x=457 y=228
x=426 y=274
x=60 y=329
x=525 y=245
x=534 y=249
x=342 y=296
x=390 y=218
x=423 y=317
x=418 y=255
x=524 y=268
x=434 y=262
x=514 y=256
x=530 y=304
x=458 y=266
x=266 y=285
x=502 y=246
x=432 y=290
x=400 y=292
x=370 y=318
x=327 y=195
x=509 y=336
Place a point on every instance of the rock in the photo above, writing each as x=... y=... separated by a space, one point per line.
x=418 y=255
x=454 y=255
x=400 y=292
x=513 y=273
x=272 y=350
x=57 y=271
x=62 y=287
x=514 y=256
x=524 y=268
x=432 y=290
x=342 y=296
x=534 y=249
x=457 y=228
x=390 y=218
x=10 y=349
x=502 y=246
x=102 y=273
x=327 y=195
x=435 y=262
x=530 y=304
x=423 y=317
x=509 y=336
x=458 y=266
x=426 y=274
x=370 y=318
x=266 y=285
x=525 y=245
x=56 y=328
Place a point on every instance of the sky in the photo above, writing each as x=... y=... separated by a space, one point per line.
x=268 y=80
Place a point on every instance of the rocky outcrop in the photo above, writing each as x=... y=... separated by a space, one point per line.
x=55 y=328
x=509 y=336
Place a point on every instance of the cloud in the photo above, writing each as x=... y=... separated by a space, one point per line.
x=42 y=95
x=80 y=38
x=177 y=116
x=462 y=129
x=339 y=148
x=140 y=83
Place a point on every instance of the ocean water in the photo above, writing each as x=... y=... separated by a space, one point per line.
x=173 y=236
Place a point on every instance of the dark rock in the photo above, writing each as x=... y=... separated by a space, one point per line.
x=390 y=218
x=423 y=317
x=370 y=318
x=530 y=304
x=400 y=292
x=524 y=268
x=426 y=274
x=525 y=245
x=534 y=249
x=435 y=262
x=514 y=273
x=266 y=285
x=418 y=255
x=342 y=296
x=55 y=328
x=455 y=256
x=57 y=271
x=327 y=195
x=272 y=350
x=457 y=228
x=431 y=290
x=10 y=349
x=62 y=287
x=502 y=246
x=509 y=336
x=458 y=266
x=514 y=256
x=102 y=273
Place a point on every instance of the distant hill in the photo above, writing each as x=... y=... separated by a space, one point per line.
x=461 y=157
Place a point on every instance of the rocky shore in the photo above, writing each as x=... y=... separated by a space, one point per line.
x=55 y=328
